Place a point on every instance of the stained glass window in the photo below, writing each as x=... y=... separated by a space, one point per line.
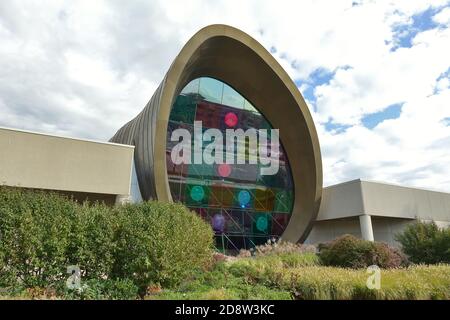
x=243 y=207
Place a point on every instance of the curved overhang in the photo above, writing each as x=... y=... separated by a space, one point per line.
x=232 y=56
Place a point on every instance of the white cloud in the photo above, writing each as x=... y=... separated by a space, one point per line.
x=443 y=17
x=391 y=77
x=84 y=68
x=412 y=149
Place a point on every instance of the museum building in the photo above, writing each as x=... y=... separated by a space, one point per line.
x=224 y=80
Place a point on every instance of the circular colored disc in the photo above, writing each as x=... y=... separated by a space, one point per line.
x=224 y=170
x=262 y=223
x=244 y=197
x=231 y=119
x=197 y=193
x=218 y=223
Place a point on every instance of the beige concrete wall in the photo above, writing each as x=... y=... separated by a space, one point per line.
x=388 y=200
x=325 y=231
x=341 y=200
x=34 y=160
x=384 y=229
x=391 y=208
x=358 y=197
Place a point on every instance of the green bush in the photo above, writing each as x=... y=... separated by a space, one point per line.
x=35 y=231
x=44 y=233
x=350 y=252
x=417 y=282
x=221 y=283
x=264 y=278
x=160 y=243
x=92 y=240
x=426 y=243
x=41 y=234
x=98 y=289
x=274 y=247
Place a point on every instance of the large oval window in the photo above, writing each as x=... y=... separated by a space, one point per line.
x=244 y=206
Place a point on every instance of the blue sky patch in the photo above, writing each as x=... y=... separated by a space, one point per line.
x=370 y=121
x=321 y=76
x=405 y=33
x=316 y=78
x=336 y=127
x=307 y=92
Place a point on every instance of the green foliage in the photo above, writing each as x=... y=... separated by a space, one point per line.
x=426 y=243
x=94 y=289
x=350 y=252
x=41 y=234
x=420 y=282
x=221 y=283
x=135 y=249
x=160 y=243
x=264 y=278
x=273 y=247
x=92 y=240
x=35 y=231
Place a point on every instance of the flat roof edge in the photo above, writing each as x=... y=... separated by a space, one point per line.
x=360 y=180
x=343 y=183
x=403 y=186
x=65 y=137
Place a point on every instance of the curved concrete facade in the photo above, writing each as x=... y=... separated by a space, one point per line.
x=229 y=55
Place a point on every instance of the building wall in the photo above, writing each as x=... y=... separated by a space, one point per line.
x=390 y=207
x=33 y=160
x=388 y=200
x=341 y=201
x=327 y=230
x=384 y=229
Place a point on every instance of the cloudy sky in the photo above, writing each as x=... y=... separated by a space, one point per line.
x=375 y=74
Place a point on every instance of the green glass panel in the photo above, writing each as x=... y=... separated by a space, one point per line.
x=283 y=201
x=262 y=223
x=201 y=170
x=196 y=194
x=183 y=110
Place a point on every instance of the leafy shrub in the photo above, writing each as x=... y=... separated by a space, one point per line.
x=418 y=282
x=350 y=252
x=44 y=233
x=41 y=234
x=265 y=278
x=102 y=289
x=35 y=231
x=92 y=240
x=221 y=283
x=426 y=243
x=160 y=243
x=385 y=256
x=295 y=260
x=273 y=247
